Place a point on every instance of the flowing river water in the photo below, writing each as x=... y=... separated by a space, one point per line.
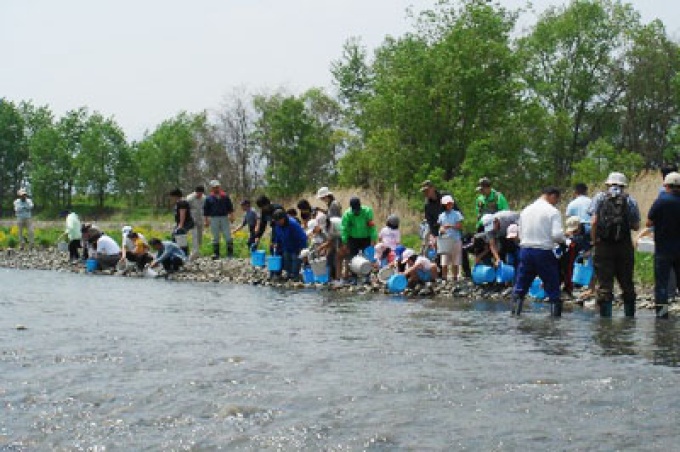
x=108 y=363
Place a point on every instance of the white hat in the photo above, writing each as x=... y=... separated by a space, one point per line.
x=323 y=192
x=512 y=232
x=672 y=179
x=408 y=252
x=21 y=192
x=617 y=179
x=487 y=222
x=214 y=183
x=126 y=230
x=311 y=225
x=447 y=199
x=573 y=223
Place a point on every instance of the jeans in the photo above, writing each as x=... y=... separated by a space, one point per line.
x=542 y=263
x=663 y=265
x=615 y=260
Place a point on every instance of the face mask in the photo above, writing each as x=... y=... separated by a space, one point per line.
x=615 y=190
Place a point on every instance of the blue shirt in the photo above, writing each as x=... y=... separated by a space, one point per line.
x=290 y=238
x=665 y=214
x=451 y=217
x=169 y=250
x=250 y=219
x=579 y=208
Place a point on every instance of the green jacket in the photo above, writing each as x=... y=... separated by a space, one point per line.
x=359 y=226
x=493 y=203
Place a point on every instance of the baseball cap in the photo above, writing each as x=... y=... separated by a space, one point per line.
x=512 y=232
x=672 y=179
x=573 y=223
x=408 y=252
x=214 y=183
x=355 y=204
x=447 y=199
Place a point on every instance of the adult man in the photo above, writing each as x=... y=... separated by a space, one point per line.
x=196 y=202
x=664 y=217
x=267 y=209
x=23 y=208
x=290 y=239
x=168 y=254
x=496 y=232
x=540 y=227
x=107 y=250
x=489 y=201
x=613 y=215
x=333 y=207
x=358 y=227
x=579 y=205
x=183 y=219
x=219 y=212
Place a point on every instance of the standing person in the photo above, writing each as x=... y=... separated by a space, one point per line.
x=433 y=206
x=305 y=209
x=74 y=235
x=540 y=226
x=489 y=201
x=23 y=208
x=358 y=227
x=664 y=217
x=196 y=202
x=450 y=224
x=580 y=205
x=249 y=219
x=289 y=239
x=613 y=215
x=183 y=219
x=219 y=212
x=333 y=212
x=168 y=254
x=267 y=209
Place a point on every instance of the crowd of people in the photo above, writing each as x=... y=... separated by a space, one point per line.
x=534 y=241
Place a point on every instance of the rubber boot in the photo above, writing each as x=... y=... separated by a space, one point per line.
x=605 y=308
x=230 y=248
x=556 y=309
x=216 y=251
x=662 y=311
x=517 y=304
x=629 y=309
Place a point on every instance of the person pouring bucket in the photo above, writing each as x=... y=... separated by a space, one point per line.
x=358 y=227
x=183 y=219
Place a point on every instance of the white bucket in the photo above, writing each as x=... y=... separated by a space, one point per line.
x=445 y=245
x=319 y=266
x=150 y=272
x=360 y=266
x=385 y=273
x=62 y=247
x=645 y=245
x=182 y=240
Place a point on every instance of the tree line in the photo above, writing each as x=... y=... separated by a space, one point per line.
x=587 y=88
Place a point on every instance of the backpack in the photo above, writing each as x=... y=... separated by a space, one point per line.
x=612 y=219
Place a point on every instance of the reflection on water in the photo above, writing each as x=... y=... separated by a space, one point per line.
x=130 y=364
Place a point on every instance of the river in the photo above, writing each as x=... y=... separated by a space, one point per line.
x=109 y=363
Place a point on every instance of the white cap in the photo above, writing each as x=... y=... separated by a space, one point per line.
x=487 y=222
x=214 y=183
x=311 y=225
x=323 y=192
x=672 y=179
x=21 y=192
x=126 y=230
x=573 y=223
x=446 y=199
x=512 y=232
x=408 y=252
x=617 y=179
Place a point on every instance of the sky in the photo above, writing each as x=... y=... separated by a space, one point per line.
x=143 y=61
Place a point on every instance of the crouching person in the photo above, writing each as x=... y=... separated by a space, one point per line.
x=137 y=250
x=107 y=252
x=168 y=254
x=418 y=269
x=289 y=240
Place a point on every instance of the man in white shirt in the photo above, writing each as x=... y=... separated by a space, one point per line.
x=108 y=252
x=541 y=229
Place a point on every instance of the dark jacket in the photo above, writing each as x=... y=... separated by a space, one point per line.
x=218 y=206
x=266 y=217
x=290 y=237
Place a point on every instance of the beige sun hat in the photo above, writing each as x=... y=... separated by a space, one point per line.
x=323 y=192
x=617 y=179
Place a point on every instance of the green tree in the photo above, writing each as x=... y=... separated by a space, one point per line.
x=603 y=158
x=13 y=151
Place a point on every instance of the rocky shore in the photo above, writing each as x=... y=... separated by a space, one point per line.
x=239 y=271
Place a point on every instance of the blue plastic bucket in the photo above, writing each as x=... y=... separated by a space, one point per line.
x=482 y=274
x=257 y=258
x=583 y=273
x=91 y=265
x=536 y=289
x=431 y=254
x=505 y=273
x=369 y=253
x=396 y=283
x=321 y=279
x=398 y=250
x=308 y=275
x=274 y=263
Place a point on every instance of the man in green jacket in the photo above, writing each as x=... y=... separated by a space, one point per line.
x=358 y=227
x=489 y=201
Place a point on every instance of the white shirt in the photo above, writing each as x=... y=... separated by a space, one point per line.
x=390 y=237
x=107 y=246
x=423 y=263
x=578 y=207
x=540 y=226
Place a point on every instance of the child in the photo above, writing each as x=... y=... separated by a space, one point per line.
x=578 y=243
x=450 y=224
x=318 y=237
x=389 y=237
x=418 y=269
x=249 y=219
